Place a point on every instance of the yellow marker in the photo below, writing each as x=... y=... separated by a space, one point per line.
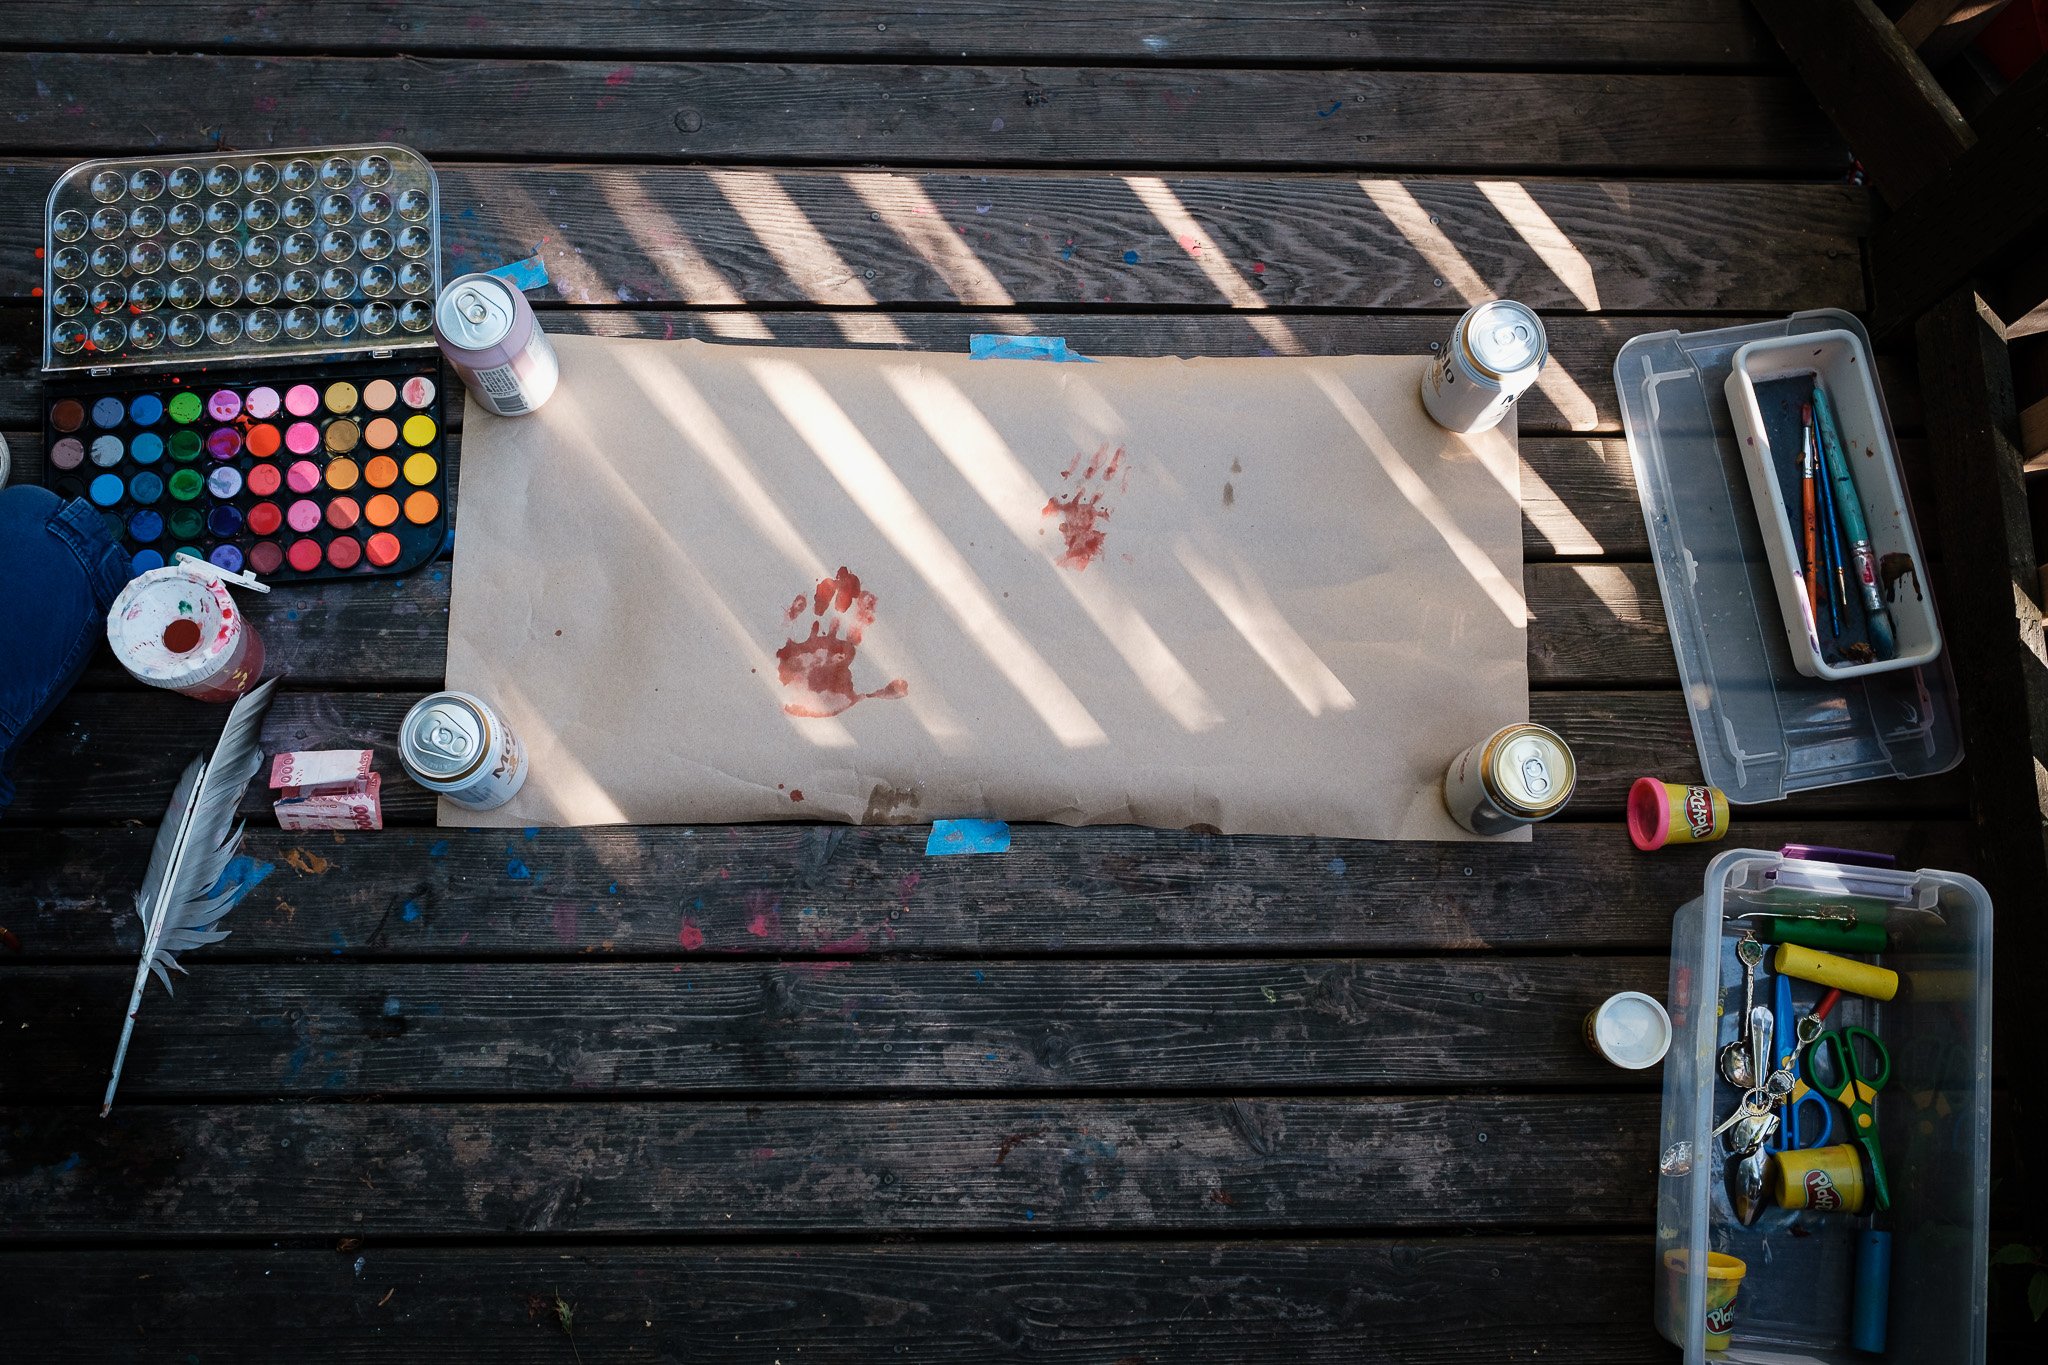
x=1828 y=969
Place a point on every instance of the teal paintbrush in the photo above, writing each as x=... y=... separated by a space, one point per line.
x=1849 y=507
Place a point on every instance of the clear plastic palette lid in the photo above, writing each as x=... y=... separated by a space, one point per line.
x=1763 y=729
x=182 y=260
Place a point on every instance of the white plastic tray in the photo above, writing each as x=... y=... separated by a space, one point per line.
x=1766 y=387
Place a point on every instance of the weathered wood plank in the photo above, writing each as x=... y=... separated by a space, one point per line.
x=109 y=756
x=667 y=234
x=1578 y=501
x=1576 y=395
x=921 y=115
x=1430 y=1301
x=727 y=1169
x=842 y=1026
x=1895 y=116
x=776 y=890
x=1995 y=633
x=1648 y=33
x=1593 y=624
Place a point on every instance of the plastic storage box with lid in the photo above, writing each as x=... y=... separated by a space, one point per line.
x=1769 y=382
x=1933 y=1116
x=1763 y=729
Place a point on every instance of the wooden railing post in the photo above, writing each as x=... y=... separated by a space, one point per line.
x=1991 y=625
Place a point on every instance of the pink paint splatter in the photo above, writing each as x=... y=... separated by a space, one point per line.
x=266 y=104
x=690 y=936
x=766 y=921
x=1191 y=245
x=764 y=1154
x=852 y=943
x=1258 y=267
x=619 y=76
x=565 y=922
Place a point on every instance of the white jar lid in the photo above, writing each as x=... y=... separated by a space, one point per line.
x=1632 y=1030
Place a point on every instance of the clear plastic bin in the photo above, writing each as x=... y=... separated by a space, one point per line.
x=1763 y=729
x=1934 y=1122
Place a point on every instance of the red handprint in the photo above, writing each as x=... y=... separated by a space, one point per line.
x=817 y=671
x=1081 y=512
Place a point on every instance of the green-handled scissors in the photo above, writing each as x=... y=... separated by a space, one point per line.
x=1850 y=1066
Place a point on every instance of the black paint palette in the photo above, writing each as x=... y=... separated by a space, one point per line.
x=328 y=473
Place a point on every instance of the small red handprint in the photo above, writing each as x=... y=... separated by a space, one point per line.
x=817 y=671
x=1081 y=512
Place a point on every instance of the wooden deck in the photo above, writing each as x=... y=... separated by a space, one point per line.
x=1118 y=1095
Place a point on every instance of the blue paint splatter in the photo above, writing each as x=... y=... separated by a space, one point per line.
x=411 y=913
x=1337 y=867
x=335 y=1081
x=1130 y=258
x=242 y=875
x=334 y=937
x=983 y=208
x=291 y=616
x=393 y=1006
x=439 y=850
x=988 y=1056
x=1030 y=1214
x=1335 y=105
x=531 y=831
x=518 y=871
x=980 y=976
x=613 y=890
x=69 y=1163
x=296 y=1063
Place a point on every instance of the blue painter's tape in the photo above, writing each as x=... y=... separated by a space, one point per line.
x=526 y=275
x=967 y=836
x=994 y=346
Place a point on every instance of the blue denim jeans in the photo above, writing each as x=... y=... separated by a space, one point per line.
x=61 y=572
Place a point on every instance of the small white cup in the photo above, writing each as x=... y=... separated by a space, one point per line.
x=1629 y=1029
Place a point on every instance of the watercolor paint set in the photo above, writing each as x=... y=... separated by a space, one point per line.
x=242 y=359
x=318 y=472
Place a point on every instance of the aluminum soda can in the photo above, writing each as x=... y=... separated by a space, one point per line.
x=1495 y=353
x=1514 y=777
x=455 y=745
x=489 y=334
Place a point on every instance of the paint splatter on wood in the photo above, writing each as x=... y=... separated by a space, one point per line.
x=309 y=864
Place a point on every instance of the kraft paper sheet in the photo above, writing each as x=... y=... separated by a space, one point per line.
x=1257 y=595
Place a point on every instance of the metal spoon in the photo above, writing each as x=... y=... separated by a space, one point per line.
x=1746 y=1184
x=1763 y=1026
x=1733 y=1061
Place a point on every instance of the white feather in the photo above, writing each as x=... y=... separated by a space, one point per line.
x=179 y=904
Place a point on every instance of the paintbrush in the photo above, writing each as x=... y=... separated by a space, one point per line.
x=1830 y=553
x=1849 y=508
x=1806 y=484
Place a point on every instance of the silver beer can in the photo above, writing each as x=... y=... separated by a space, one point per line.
x=490 y=336
x=1515 y=776
x=453 y=744
x=1495 y=353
